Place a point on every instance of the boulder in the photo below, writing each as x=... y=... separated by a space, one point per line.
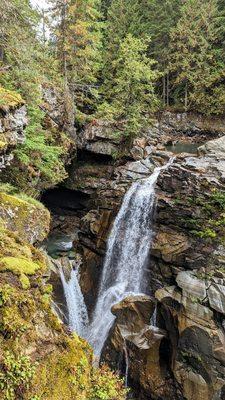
x=27 y=217
x=216 y=146
x=170 y=246
x=191 y=285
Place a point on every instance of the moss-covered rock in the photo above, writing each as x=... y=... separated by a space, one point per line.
x=28 y=218
x=39 y=358
x=9 y=99
x=18 y=266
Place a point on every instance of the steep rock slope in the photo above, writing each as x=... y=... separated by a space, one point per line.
x=13 y=120
x=40 y=358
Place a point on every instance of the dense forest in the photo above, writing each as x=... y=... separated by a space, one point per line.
x=116 y=60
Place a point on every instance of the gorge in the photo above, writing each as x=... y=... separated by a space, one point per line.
x=141 y=333
x=112 y=200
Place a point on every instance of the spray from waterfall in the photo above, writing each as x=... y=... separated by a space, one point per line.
x=78 y=316
x=128 y=250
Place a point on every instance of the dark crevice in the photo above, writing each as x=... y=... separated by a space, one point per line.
x=64 y=201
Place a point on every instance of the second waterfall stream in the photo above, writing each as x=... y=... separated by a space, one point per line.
x=128 y=250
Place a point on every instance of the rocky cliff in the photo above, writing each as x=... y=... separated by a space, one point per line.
x=39 y=357
x=183 y=358
x=180 y=355
x=13 y=120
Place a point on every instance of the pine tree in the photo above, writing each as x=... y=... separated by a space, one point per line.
x=79 y=49
x=160 y=17
x=131 y=97
x=197 y=57
x=26 y=66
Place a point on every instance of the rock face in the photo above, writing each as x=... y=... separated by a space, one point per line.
x=13 y=120
x=183 y=357
x=38 y=353
x=188 y=265
x=135 y=346
x=188 y=125
x=29 y=220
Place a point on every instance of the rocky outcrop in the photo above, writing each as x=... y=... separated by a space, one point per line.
x=136 y=347
x=13 y=120
x=188 y=125
x=38 y=353
x=24 y=216
x=188 y=269
x=184 y=356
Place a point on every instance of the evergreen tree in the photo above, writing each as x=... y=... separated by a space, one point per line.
x=79 y=49
x=160 y=16
x=197 y=57
x=26 y=66
x=130 y=96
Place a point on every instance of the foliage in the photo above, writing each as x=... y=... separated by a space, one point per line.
x=130 y=95
x=16 y=374
x=9 y=98
x=12 y=190
x=197 y=57
x=39 y=152
x=69 y=374
x=78 y=40
x=106 y=385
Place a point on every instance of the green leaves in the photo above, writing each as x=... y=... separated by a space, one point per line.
x=16 y=374
x=197 y=57
x=130 y=93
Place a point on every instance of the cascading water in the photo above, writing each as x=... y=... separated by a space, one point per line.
x=78 y=316
x=127 y=254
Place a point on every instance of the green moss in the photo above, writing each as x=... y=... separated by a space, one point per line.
x=206 y=233
x=18 y=266
x=69 y=374
x=9 y=99
x=25 y=216
x=25 y=282
x=3 y=142
x=17 y=308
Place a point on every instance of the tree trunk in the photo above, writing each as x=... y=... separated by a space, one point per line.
x=168 y=90
x=186 y=97
x=164 y=90
x=43 y=27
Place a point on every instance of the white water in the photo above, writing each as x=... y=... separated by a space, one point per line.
x=78 y=316
x=128 y=250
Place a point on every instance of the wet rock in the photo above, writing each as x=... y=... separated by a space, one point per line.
x=198 y=344
x=135 y=311
x=135 y=170
x=139 y=344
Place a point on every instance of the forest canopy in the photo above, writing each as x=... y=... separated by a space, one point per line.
x=118 y=60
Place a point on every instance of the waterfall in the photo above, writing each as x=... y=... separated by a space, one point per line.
x=78 y=316
x=127 y=254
